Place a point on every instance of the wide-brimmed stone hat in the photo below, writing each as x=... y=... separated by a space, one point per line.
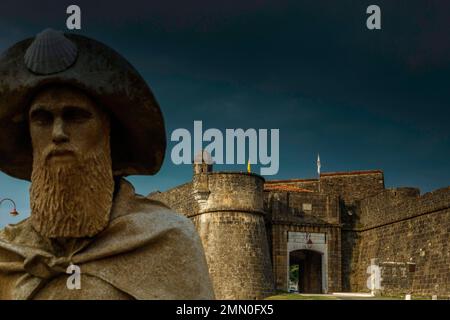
x=138 y=138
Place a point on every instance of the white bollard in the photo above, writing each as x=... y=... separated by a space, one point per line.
x=434 y=297
x=408 y=297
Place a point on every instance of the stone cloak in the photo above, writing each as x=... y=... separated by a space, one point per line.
x=146 y=252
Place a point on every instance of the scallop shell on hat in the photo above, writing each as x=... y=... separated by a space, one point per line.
x=50 y=52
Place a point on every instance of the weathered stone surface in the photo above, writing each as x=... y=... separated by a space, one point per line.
x=410 y=239
x=75 y=130
x=139 y=141
x=231 y=226
x=237 y=253
x=146 y=252
x=407 y=234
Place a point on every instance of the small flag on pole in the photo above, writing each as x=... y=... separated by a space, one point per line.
x=249 y=166
x=318 y=164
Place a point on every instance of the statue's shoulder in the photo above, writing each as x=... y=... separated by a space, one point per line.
x=13 y=231
x=21 y=233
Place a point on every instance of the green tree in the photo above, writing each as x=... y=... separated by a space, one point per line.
x=293 y=273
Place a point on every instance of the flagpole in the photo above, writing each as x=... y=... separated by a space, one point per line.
x=318 y=170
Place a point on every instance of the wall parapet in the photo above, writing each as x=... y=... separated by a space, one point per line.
x=232 y=191
x=396 y=205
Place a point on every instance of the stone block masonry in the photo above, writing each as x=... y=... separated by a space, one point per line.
x=233 y=232
x=237 y=252
x=410 y=240
x=245 y=224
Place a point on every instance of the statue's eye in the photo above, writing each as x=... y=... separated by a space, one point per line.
x=74 y=114
x=41 y=117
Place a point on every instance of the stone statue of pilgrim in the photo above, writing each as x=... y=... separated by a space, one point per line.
x=75 y=118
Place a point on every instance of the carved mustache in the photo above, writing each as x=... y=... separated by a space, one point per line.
x=52 y=151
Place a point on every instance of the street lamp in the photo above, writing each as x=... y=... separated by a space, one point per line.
x=13 y=211
x=309 y=242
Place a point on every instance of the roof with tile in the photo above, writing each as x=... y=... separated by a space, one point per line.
x=285 y=188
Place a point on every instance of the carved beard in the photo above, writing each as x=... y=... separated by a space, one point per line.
x=72 y=200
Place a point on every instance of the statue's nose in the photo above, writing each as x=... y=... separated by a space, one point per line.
x=59 y=135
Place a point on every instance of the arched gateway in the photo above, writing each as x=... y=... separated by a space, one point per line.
x=307 y=262
x=306 y=271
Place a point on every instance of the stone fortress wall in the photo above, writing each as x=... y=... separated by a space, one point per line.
x=227 y=209
x=405 y=234
x=408 y=235
x=293 y=209
x=232 y=228
x=244 y=223
x=350 y=187
x=180 y=199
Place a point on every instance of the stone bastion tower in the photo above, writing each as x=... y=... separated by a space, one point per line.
x=230 y=221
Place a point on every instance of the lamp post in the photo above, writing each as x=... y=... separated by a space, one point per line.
x=309 y=242
x=13 y=212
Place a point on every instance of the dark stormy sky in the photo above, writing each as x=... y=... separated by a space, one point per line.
x=362 y=99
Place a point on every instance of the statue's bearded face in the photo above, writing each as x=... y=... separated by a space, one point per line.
x=71 y=183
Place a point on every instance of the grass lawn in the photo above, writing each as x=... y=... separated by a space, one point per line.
x=296 y=296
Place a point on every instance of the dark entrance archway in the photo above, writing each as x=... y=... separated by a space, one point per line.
x=309 y=272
